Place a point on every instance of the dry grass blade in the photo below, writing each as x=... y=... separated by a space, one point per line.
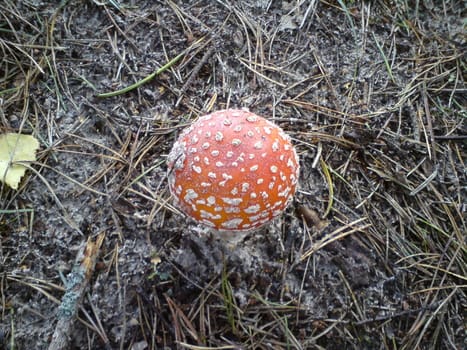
x=181 y=323
x=279 y=321
x=337 y=234
x=229 y=301
x=41 y=286
x=327 y=175
x=97 y=324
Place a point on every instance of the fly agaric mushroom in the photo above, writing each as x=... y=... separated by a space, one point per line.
x=233 y=170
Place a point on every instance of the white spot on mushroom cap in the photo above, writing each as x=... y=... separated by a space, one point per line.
x=258 y=145
x=226 y=178
x=252 y=209
x=284 y=193
x=232 y=201
x=190 y=194
x=196 y=169
x=219 y=136
x=275 y=146
x=255 y=218
x=208 y=215
x=277 y=204
x=232 y=210
x=232 y=223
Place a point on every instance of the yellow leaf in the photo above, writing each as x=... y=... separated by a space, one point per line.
x=15 y=148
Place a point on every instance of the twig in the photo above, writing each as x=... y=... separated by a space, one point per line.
x=76 y=284
x=327 y=175
x=451 y=137
x=431 y=141
x=335 y=235
x=194 y=73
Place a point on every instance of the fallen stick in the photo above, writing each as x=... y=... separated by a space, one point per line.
x=77 y=281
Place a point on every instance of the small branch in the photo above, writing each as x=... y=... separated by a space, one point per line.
x=451 y=137
x=77 y=281
x=194 y=73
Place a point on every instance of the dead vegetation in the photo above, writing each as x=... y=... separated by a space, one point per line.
x=371 y=256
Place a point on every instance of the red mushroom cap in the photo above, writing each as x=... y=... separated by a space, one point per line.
x=233 y=170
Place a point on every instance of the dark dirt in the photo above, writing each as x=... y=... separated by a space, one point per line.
x=371 y=255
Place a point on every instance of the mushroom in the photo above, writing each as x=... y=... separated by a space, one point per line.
x=233 y=170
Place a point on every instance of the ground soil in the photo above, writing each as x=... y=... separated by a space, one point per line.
x=371 y=253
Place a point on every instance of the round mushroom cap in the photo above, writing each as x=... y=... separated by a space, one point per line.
x=233 y=170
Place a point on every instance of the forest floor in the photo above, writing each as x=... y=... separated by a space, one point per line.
x=370 y=255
